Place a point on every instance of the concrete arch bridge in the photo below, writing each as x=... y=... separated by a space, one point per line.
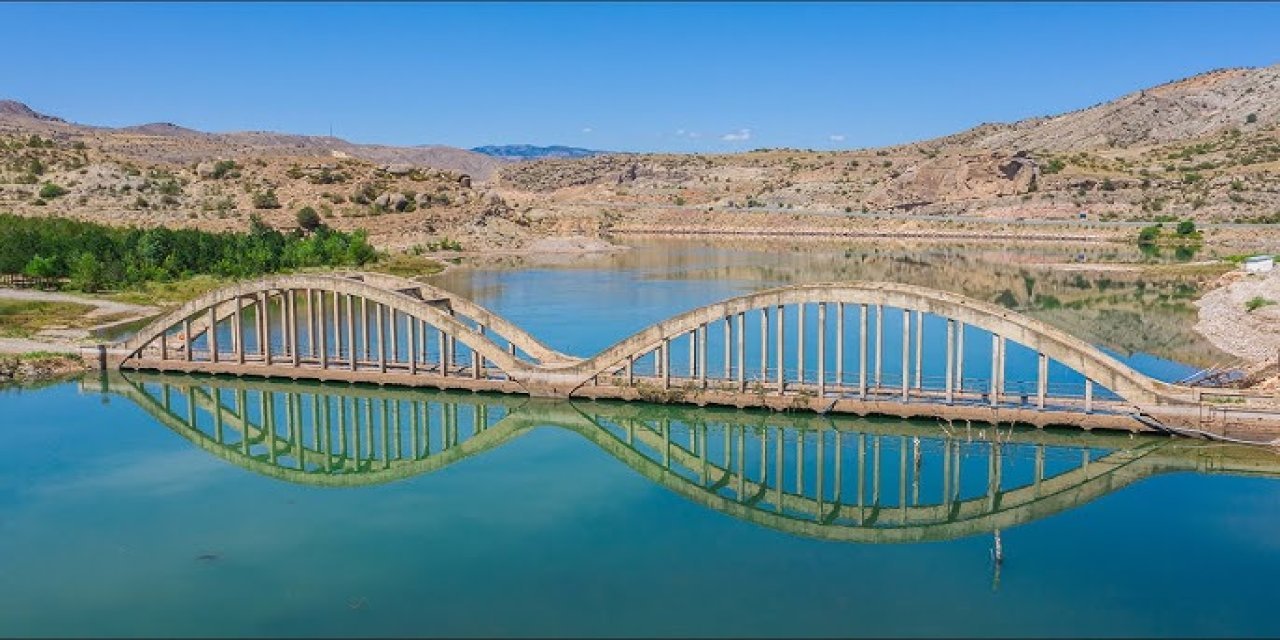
x=858 y=347
x=828 y=477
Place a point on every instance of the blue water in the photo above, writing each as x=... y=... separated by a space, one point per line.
x=114 y=523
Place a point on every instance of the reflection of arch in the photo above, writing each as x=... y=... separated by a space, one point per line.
x=674 y=449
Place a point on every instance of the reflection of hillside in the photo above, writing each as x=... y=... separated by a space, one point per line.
x=1126 y=310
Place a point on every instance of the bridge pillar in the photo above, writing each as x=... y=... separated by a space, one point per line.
x=212 y=332
x=703 y=334
x=951 y=355
x=840 y=346
x=764 y=346
x=164 y=345
x=264 y=327
x=352 y=356
x=960 y=357
x=728 y=352
x=665 y=358
x=393 y=318
x=1088 y=396
x=442 y=352
x=919 y=350
x=906 y=354
x=879 y=345
x=742 y=351
x=380 y=314
x=293 y=327
x=476 y=361
x=822 y=353
x=323 y=326
x=693 y=351
x=997 y=366
x=337 y=327
x=237 y=333
x=413 y=347
x=1042 y=379
x=365 y=337
x=800 y=331
x=862 y=352
x=782 y=350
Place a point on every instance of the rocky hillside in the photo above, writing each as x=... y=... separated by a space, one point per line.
x=1206 y=147
x=163 y=142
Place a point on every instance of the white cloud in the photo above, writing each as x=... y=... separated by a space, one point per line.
x=836 y=137
x=738 y=136
x=587 y=129
x=685 y=133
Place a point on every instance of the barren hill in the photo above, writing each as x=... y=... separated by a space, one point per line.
x=165 y=142
x=1206 y=147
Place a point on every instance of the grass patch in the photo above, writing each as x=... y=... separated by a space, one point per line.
x=407 y=266
x=23 y=318
x=1257 y=302
x=173 y=293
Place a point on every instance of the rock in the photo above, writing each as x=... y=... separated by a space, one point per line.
x=423 y=199
x=205 y=169
x=392 y=201
x=399 y=169
x=465 y=180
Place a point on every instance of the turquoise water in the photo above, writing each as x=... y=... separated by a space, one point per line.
x=136 y=506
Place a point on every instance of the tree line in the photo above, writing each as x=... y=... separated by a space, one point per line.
x=95 y=257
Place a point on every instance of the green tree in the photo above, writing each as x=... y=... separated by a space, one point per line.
x=87 y=273
x=41 y=267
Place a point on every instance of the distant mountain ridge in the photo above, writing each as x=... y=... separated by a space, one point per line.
x=534 y=152
x=171 y=143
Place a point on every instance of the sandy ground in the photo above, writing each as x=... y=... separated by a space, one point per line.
x=1224 y=319
x=67 y=340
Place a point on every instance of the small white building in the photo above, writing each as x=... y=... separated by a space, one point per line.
x=1259 y=264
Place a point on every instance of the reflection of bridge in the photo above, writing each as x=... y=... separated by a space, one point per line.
x=831 y=478
x=824 y=347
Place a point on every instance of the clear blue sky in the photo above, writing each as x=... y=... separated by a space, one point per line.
x=678 y=77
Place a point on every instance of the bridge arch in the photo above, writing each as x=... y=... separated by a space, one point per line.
x=1049 y=342
x=402 y=312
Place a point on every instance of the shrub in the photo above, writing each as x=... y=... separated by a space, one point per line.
x=224 y=169
x=1186 y=228
x=308 y=219
x=1148 y=235
x=1257 y=302
x=51 y=190
x=1251 y=118
x=266 y=200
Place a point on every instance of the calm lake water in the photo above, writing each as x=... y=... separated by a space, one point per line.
x=172 y=505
